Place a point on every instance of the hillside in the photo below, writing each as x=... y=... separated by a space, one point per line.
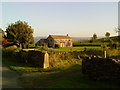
x=114 y=38
x=97 y=42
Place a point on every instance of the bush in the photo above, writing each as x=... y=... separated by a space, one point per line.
x=64 y=58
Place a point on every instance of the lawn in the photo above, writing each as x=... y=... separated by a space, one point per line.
x=69 y=78
x=67 y=49
x=21 y=68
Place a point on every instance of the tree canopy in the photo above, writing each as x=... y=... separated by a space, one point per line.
x=107 y=34
x=94 y=36
x=20 y=33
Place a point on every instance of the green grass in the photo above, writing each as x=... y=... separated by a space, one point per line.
x=87 y=43
x=67 y=49
x=21 y=68
x=97 y=41
x=72 y=77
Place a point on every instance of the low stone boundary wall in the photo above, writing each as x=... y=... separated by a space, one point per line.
x=37 y=58
x=101 y=68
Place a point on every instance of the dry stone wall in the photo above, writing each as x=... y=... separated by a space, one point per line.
x=36 y=58
x=101 y=68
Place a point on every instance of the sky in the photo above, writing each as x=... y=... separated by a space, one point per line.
x=78 y=19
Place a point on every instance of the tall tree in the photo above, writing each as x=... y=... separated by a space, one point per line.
x=20 y=33
x=107 y=34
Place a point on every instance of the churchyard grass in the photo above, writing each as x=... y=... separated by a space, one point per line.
x=68 y=49
x=71 y=77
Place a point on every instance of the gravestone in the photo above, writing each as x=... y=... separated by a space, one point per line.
x=46 y=59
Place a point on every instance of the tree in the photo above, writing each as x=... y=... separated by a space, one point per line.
x=20 y=33
x=117 y=30
x=3 y=37
x=94 y=37
x=2 y=33
x=107 y=34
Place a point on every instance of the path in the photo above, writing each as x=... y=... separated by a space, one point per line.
x=38 y=73
x=9 y=78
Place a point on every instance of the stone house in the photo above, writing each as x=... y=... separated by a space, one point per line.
x=56 y=41
x=42 y=42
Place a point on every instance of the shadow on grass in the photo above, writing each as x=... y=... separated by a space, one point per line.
x=71 y=77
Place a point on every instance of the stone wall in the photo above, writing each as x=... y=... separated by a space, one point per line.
x=36 y=58
x=44 y=59
x=101 y=68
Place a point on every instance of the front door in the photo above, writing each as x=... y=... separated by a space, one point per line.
x=62 y=44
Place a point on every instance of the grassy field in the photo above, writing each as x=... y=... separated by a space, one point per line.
x=72 y=77
x=67 y=49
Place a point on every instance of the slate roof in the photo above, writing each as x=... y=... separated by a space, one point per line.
x=43 y=40
x=60 y=36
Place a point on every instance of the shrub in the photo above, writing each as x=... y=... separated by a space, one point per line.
x=64 y=58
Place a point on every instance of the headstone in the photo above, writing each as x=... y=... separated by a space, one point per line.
x=46 y=60
x=105 y=54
